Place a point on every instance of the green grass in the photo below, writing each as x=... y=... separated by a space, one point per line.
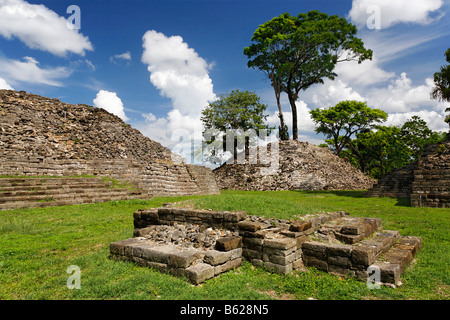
x=38 y=245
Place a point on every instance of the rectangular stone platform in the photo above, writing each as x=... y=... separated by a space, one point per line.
x=333 y=242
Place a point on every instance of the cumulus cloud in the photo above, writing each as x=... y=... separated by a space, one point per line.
x=111 y=103
x=178 y=72
x=181 y=75
x=393 y=12
x=5 y=85
x=40 y=28
x=29 y=71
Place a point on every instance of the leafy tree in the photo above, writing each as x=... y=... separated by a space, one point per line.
x=297 y=52
x=415 y=134
x=379 y=152
x=341 y=122
x=441 y=91
x=236 y=110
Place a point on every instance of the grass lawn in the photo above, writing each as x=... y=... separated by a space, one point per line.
x=38 y=245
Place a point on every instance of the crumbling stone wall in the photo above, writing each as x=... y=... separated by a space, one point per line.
x=431 y=186
x=43 y=136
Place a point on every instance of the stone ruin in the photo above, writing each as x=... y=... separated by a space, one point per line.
x=201 y=244
x=41 y=136
x=299 y=166
x=426 y=183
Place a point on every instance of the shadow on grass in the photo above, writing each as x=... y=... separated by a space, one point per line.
x=401 y=202
x=342 y=193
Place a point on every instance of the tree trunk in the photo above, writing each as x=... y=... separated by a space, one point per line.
x=294 y=118
x=283 y=132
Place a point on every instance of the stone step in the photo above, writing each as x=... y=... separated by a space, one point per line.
x=64 y=195
x=24 y=190
x=70 y=201
x=7 y=182
x=394 y=261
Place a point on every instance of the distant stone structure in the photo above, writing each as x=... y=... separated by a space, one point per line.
x=45 y=137
x=300 y=166
x=200 y=244
x=426 y=183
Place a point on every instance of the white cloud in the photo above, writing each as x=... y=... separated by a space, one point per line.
x=181 y=75
x=434 y=120
x=111 y=103
x=394 y=11
x=365 y=73
x=5 y=85
x=126 y=56
x=30 y=72
x=40 y=28
x=178 y=72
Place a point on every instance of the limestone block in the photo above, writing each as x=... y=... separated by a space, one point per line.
x=199 y=272
x=311 y=261
x=280 y=243
x=228 y=243
x=277 y=268
x=157 y=253
x=249 y=226
x=341 y=250
x=362 y=255
x=300 y=225
x=214 y=257
x=182 y=258
x=230 y=264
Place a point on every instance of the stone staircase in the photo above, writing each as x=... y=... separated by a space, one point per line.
x=16 y=193
x=359 y=247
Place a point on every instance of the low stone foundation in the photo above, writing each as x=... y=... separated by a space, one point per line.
x=200 y=244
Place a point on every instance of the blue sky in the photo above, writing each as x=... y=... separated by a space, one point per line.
x=157 y=63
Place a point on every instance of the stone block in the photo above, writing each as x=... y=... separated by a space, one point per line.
x=349 y=238
x=249 y=226
x=230 y=264
x=410 y=243
x=300 y=225
x=338 y=250
x=251 y=254
x=315 y=246
x=199 y=272
x=228 y=243
x=389 y=272
x=298 y=264
x=362 y=255
x=182 y=258
x=339 y=261
x=214 y=257
x=280 y=243
x=282 y=260
x=118 y=247
x=311 y=261
x=353 y=229
x=276 y=268
x=157 y=253
x=340 y=270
